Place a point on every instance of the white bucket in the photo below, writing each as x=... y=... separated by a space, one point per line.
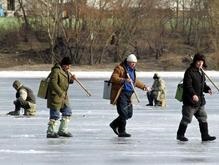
x=107 y=89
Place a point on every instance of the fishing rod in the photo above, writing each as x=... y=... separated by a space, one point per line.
x=133 y=87
x=210 y=79
x=82 y=86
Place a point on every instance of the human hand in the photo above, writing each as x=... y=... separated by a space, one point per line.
x=128 y=80
x=210 y=92
x=195 y=98
x=73 y=77
x=147 y=88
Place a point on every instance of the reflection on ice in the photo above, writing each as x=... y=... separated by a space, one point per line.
x=24 y=151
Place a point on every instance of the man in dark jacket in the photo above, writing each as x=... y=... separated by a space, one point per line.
x=24 y=99
x=193 y=99
x=57 y=99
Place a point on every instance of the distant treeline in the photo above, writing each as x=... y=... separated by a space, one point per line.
x=106 y=31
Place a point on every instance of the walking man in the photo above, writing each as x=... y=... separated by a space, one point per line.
x=57 y=99
x=123 y=77
x=193 y=99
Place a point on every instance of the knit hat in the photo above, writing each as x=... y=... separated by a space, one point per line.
x=156 y=76
x=17 y=84
x=131 y=58
x=66 y=61
x=199 y=57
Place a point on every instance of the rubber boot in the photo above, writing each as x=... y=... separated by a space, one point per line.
x=114 y=125
x=122 y=132
x=51 y=133
x=204 y=132
x=63 y=128
x=181 y=132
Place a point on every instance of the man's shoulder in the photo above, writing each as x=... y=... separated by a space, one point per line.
x=119 y=66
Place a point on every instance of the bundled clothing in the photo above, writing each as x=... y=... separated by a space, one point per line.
x=194 y=84
x=58 y=102
x=57 y=97
x=157 y=96
x=118 y=83
x=25 y=99
x=121 y=93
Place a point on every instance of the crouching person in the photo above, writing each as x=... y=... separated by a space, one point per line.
x=157 y=95
x=57 y=99
x=24 y=99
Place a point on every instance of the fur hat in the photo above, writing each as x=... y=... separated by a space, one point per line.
x=17 y=84
x=199 y=57
x=66 y=61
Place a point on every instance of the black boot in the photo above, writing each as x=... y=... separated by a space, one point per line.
x=114 y=128
x=181 y=132
x=124 y=134
x=115 y=124
x=121 y=129
x=14 y=113
x=204 y=132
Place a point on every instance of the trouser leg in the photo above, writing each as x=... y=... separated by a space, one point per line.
x=187 y=114
x=20 y=103
x=125 y=111
x=181 y=132
x=201 y=116
x=150 y=98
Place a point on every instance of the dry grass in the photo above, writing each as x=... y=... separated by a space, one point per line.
x=172 y=62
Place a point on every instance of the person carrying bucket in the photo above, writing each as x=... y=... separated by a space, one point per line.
x=194 y=86
x=57 y=99
x=123 y=81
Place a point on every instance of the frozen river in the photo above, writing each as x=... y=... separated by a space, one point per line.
x=23 y=140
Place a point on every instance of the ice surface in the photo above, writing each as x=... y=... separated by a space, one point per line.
x=23 y=140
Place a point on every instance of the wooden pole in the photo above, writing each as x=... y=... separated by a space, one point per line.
x=133 y=87
x=82 y=86
x=210 y=80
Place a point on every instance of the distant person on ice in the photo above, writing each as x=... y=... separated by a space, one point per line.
x=57 y=99
x=193 y=99
x=24 y=99
x=121 y=93
x=157 y=95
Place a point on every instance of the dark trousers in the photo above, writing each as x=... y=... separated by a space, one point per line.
x=188 y=112
x=124 y=109
x=20 y=103
x=150 y=97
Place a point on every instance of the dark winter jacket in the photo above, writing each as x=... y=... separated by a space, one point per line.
x=58 y=86
x=194 y=84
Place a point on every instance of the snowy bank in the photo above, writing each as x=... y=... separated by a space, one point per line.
x=93 y=74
